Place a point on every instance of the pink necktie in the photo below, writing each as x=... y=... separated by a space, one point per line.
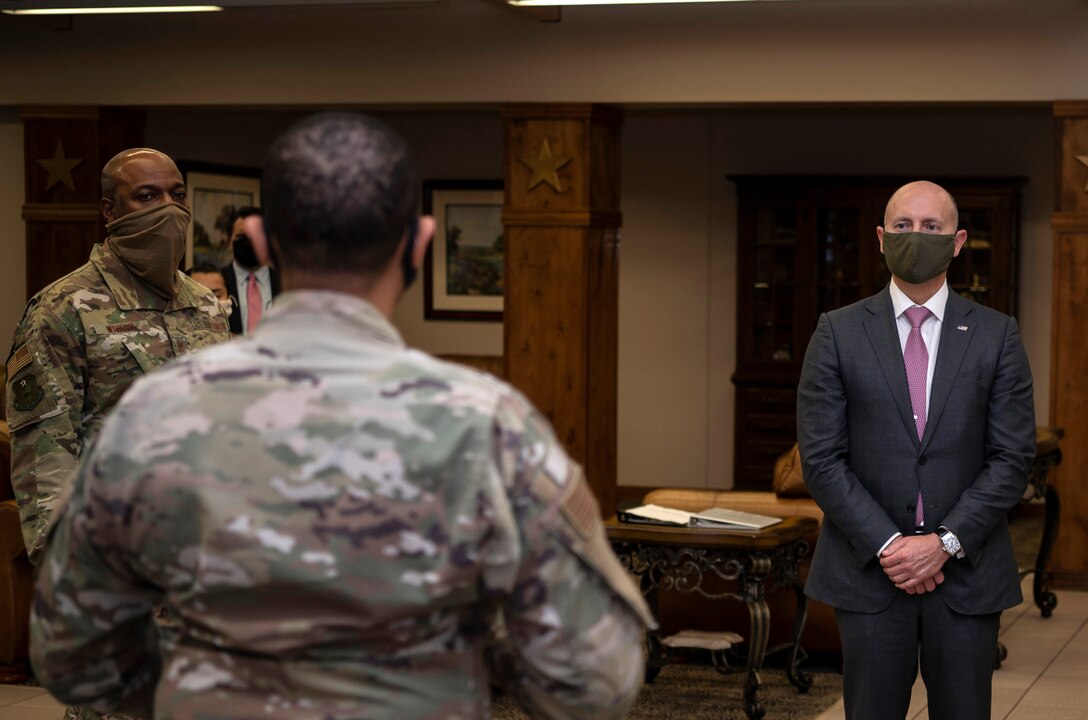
x=916 y=359
x=255 y=304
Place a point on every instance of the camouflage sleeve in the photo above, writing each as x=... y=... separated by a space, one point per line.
x=93 y=641
x=45 y=380
x=575 y=619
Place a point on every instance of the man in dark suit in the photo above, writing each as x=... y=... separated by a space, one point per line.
x=916 y=425
x=251 y=284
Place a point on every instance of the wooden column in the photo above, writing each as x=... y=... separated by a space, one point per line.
x=65 y=149
x=562 y=224
x=1069 y=343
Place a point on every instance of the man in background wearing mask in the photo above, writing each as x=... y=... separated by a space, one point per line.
x=85 y=338
x=916 y=425
x=251 y=282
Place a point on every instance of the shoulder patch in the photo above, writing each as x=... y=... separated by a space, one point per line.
x=578 y=503
x=26 y=393
x=19 y=360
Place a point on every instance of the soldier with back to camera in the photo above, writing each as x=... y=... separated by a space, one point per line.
x=340 y=525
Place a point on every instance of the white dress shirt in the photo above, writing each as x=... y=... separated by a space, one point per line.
x=931 y=336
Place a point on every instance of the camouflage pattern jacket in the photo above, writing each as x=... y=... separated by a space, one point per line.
x=80 y=344
x=340 y=527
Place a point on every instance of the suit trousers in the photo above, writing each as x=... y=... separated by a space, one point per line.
x=881 y=653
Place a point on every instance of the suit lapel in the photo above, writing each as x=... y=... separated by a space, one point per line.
x=884 y=337
x=956 y=333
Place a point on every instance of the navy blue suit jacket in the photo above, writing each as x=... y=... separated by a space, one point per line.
x=863 y=462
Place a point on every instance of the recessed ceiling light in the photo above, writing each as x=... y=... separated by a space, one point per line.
x=126 y=9
x=553 y=3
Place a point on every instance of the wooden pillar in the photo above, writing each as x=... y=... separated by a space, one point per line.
x=562 y=220
x=65 y=149
x=1069 y=343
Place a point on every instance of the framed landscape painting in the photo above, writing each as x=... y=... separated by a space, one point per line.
x=463 y=272
x=216 y=192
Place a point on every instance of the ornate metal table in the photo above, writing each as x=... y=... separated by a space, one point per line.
x=727 y=564
x=1048 y=455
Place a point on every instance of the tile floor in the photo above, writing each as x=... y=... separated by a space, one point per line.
x=1044 y=678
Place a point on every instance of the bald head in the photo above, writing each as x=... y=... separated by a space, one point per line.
x=139 y=178
x=921 y=206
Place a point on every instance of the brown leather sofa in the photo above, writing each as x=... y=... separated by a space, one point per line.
x=683 y=611
x=15 y=576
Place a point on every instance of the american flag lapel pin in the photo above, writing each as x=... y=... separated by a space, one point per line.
x=962 y=328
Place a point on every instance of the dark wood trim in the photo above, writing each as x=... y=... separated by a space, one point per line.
x=568 y=111
x=62 y=212
x=1071 y=108
x=57 y=112
x=1069 y=221
x=591 y=218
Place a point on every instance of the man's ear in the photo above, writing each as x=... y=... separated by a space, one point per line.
x=105 y=205
x=961 y=238
x=424 y=235
x=880 y=238
x=253 y=227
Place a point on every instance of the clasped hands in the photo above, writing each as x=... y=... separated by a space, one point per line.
x=914 y=563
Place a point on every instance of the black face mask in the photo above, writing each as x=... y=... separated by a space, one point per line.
x=407 y=269
x=244 y=254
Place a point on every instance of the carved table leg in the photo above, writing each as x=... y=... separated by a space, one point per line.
x=1044 y=598
x=757 y=569
x=657 y=654
x=799 y=679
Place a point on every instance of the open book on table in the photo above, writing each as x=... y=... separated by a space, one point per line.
x=711 y=517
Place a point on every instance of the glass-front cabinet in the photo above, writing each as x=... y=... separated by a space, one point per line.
x=807 y=245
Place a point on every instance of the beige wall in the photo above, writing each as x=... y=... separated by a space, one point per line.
x=12 y=230
x=471 y=51
x=448 y=145
x=677 y=270
x=677 y=280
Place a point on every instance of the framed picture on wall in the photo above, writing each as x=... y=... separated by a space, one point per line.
x=216 y=192
x=463 y=271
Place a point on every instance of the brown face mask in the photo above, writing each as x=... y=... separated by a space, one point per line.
x=151 y=244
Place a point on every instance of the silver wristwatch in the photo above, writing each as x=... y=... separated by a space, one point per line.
x=950 y=542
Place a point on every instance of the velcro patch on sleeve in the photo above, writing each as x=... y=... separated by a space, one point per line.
x=578 y=503
x=19 y=360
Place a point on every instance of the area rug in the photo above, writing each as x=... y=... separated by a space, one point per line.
x=699 y=692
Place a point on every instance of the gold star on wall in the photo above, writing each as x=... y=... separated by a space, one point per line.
x=1083 y=160
x=545 y=167
x=60 y=168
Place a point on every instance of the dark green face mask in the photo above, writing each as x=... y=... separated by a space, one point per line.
x=917 y=257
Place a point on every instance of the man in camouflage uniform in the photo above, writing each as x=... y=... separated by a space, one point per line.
x=339 y=525
x=85 y=338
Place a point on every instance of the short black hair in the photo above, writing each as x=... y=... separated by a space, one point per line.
x=339 y=191
x=204 y=268
x=244 y=212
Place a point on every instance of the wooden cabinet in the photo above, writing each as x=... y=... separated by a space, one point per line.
x=807 y=245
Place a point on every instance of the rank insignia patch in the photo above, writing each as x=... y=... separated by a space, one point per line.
x=27 y=392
